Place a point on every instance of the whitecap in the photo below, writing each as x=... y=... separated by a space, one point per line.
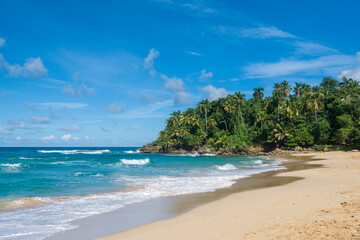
x=258 y=161
x=135 y=161
x=131 y=151
x=226 y=167
x=10 y=167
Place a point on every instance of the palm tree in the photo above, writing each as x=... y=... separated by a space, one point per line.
x=279 y=134
x=297 y=89
x=260 y=118
x=258 y=93
x=240 y=101
x=316 y=102
x=204 y=106
x=286 y=88
x=229 y=107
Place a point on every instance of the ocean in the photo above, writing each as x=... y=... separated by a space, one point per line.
x=43 y=189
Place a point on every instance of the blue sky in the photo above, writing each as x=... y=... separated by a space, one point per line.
x=89 y=73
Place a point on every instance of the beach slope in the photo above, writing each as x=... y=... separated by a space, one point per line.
x=323 y=205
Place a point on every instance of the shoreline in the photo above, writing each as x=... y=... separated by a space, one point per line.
x=323 y=204
x=110 y=223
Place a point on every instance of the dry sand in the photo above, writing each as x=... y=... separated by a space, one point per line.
x=323 y=205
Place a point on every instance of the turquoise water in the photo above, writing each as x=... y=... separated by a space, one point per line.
x=43 y=189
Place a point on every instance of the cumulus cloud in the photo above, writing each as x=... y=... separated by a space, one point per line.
x=173 y=84
x=33 y=68
x=72 y=128
x=48 y=138
x=2 y=42
x=66 y=137
x=205 y=75
x=214 y=93
x=77 y=90
x=18 y=138
x=39 y=119
x=149 y=61
x=105 y=129
x=290 y=66
x=182 y=98
x=115 y=107
x=145 y=97
x=4 y=131
x=259 y=32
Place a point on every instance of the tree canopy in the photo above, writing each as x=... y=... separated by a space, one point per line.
x=299 y=115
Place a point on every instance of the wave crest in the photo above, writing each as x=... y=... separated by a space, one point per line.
x=135 y=161
x=226 y=167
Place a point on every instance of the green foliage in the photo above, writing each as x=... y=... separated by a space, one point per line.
x=302 y=115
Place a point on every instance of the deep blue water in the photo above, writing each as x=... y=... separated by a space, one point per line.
x=43 y=189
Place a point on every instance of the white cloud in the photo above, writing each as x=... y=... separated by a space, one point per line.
x=18 y=138
x=115 y=107
x=149 y=61
x=87 y=138
x=16 y=124
x=4 y=131
x=145 y=97
x=73 y=128
x=313 y=49
x=173 y=84
x=33 y=68
x=39 y=119
x=194 y=53
x=205 y=75
x=353 y=73
x=77 y=90
x=63 y=105
x=48 y=138
x=290 y=66
x=105 y=129
x=260 y=32
x=66 y=137
x=214 y=93
x=182 y=98
x=2 y=42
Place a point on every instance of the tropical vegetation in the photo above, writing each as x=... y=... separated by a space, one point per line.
x=293 y=115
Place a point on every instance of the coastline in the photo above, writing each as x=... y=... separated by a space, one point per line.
x=321 y=205
x=138 y=214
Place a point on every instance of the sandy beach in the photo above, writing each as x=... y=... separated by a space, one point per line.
x=323 y=204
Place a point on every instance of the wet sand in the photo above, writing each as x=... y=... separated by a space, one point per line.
x=138 y=214
x=321 y=201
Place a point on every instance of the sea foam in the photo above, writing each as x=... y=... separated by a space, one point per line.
x=226 y=167
x=135 y=161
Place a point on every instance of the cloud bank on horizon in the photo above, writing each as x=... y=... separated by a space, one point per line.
x=109 y=75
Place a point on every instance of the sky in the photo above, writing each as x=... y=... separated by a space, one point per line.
x=108 y=73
